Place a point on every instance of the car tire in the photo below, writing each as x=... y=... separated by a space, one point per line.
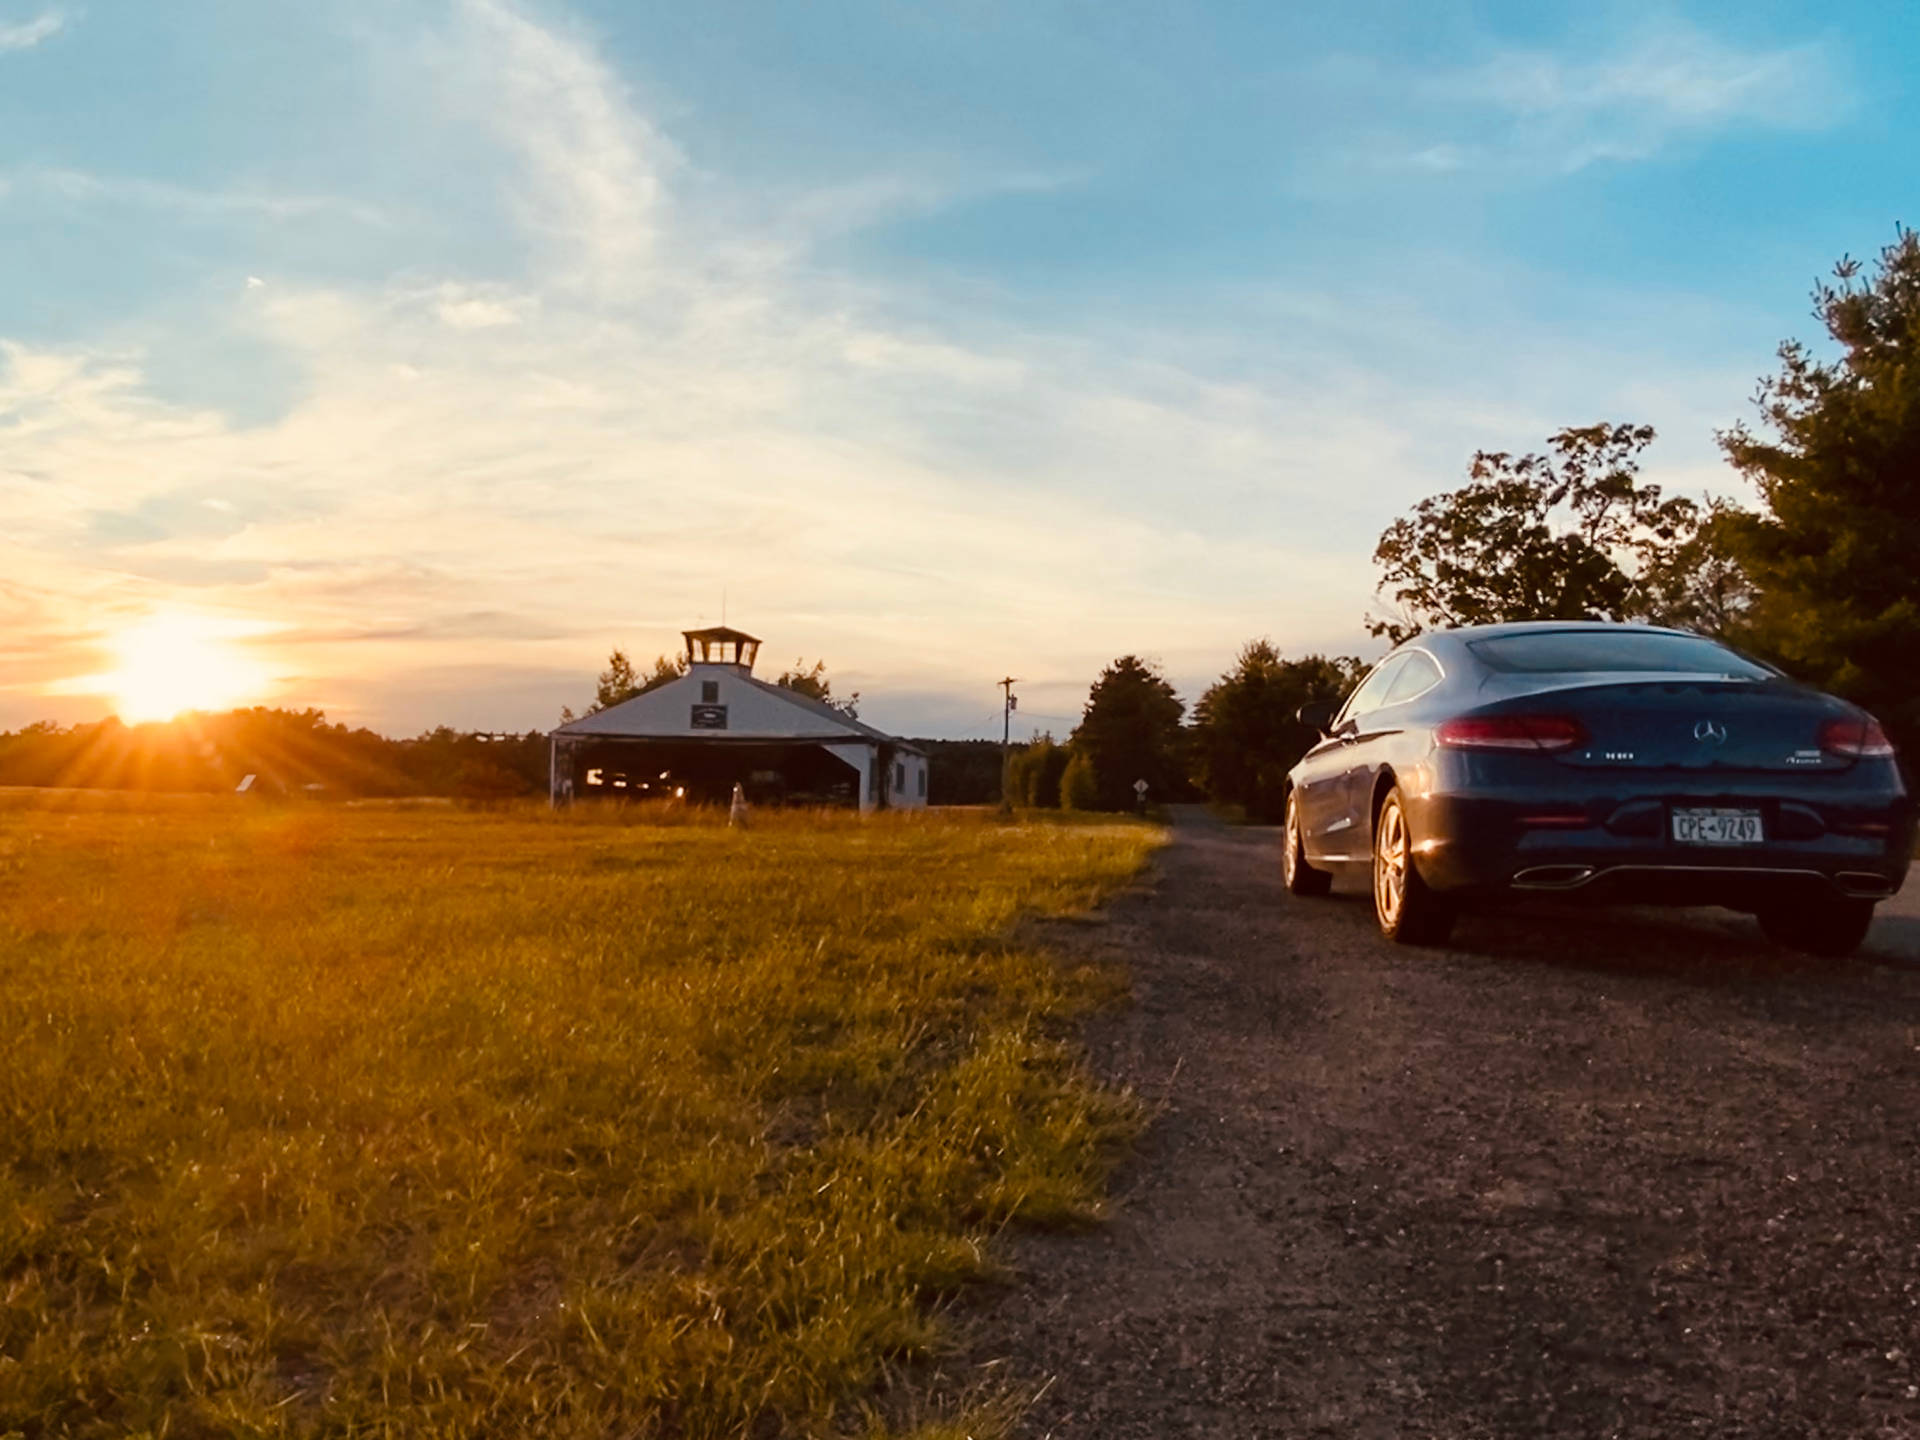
x=1300 y=877
x=1828 y=925
x=1408 y=911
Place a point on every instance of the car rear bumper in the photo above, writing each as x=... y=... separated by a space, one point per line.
x=1620 y=847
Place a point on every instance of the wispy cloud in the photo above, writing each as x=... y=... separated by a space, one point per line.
x=1664 y=84
x=25 y=34
x=592 y=181
x=500 y=474
x=81 y=187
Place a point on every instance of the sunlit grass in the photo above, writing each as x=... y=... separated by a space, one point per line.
x=437 y=1123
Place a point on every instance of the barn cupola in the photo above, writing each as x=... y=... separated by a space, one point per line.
x=721 y=646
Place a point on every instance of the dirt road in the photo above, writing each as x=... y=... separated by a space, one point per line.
x=1581 y=1174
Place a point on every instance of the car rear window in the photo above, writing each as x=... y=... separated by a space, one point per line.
x=1585 y=651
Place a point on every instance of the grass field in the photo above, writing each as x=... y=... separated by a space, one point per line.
x=441 y=1123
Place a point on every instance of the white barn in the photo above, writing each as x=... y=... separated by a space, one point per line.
x=717 y=726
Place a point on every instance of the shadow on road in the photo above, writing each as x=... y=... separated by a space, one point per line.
x=1706 y=946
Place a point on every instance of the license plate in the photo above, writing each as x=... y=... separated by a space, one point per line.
x=1718 y=827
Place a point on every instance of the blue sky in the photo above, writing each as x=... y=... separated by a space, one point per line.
x=429 y=349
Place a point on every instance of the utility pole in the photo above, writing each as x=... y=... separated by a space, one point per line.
x=1010 y=703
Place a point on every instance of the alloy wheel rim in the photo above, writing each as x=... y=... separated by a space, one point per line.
x=1390 y=864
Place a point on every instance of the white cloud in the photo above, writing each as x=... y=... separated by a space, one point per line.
x=1441 y=158
x=499 y=475
x=481 y=307
x=593 y=165
x=1664 y=83
x=25 y=34
x=80 y=187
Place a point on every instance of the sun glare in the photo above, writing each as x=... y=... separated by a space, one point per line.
x=171 y=663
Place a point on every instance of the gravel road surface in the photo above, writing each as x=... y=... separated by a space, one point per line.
x=1582 y=1174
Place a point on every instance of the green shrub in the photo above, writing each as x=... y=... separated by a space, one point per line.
x=1079 y=785
x=1034 y=774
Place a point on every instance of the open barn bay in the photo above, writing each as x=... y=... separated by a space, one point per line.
x=429 y=1122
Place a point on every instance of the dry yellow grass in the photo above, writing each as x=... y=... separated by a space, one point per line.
x=435 y=1123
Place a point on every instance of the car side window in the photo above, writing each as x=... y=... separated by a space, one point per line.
x=1373 y=690
x=1416 y=677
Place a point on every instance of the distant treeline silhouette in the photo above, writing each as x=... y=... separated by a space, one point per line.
x=299 y=752
x=286 y=751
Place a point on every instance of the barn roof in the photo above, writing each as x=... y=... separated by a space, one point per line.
x=757 y=711
x=839 y=717
x=722 y=633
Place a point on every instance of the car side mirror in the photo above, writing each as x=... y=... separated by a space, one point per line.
x=1318 y=715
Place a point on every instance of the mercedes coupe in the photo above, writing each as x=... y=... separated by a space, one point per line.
x=1605 y=761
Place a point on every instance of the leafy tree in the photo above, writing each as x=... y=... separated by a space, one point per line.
x=1035 y=772
x=1835 y=557
x=1246 y=734
x=814 y=684
x=1573 y=534
x=620 y=682
x=666 y=669
x=1079 y=782
x=1700 y=581
x=1130 y=730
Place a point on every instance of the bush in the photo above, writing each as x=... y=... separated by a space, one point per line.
x=1079 y=785
x=486 y=783
x=1034 y=774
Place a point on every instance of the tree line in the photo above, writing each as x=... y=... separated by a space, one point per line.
x=286 y=751
x=1235 y=748
x=1822 y=578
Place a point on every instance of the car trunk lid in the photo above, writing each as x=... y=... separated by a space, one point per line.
x=1692 y=723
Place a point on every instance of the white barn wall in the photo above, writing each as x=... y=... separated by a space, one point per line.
x=755 y=711
x=862 y=757
x=910 y=788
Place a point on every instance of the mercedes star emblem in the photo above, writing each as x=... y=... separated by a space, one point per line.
x=1710 y=730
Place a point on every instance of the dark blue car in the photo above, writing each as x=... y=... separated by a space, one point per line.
x=1617 y=762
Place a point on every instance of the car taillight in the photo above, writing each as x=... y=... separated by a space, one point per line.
x=1857 y=739
x=1510 y=732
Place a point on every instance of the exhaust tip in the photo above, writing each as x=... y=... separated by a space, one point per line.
x=1864 y=883
x=1553 y=877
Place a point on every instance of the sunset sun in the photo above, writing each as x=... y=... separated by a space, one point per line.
x=171 y=663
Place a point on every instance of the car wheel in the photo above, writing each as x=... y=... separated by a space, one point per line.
x=1301 y=878
x=1829 y=925
x=1409 y=913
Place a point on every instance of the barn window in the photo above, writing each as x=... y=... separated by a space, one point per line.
x=900 y=776
x=923 y=784
x=709 y=692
